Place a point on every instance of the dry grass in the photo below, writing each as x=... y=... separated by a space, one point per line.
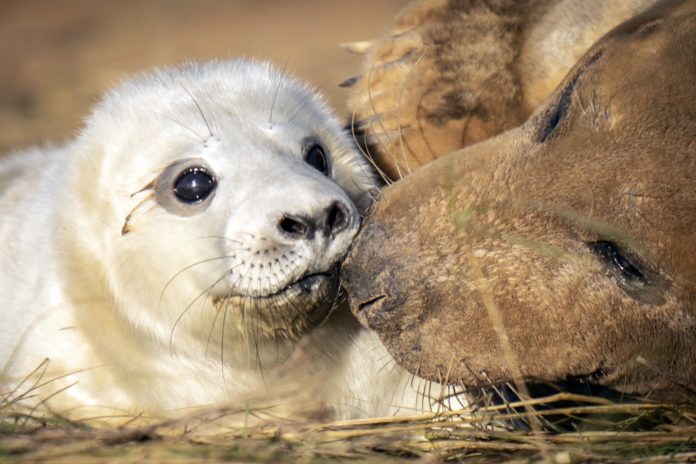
x=610 y=432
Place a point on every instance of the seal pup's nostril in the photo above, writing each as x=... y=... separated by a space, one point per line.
x=329 y=221
x=337 y=218
x=297 y=227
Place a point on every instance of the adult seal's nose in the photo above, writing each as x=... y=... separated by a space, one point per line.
x=329 y=221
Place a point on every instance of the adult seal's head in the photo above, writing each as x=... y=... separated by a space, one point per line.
x=561 y=249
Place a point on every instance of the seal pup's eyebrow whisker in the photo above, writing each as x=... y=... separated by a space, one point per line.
x=281 y=79
x=198 y=106
x=298 y=109
x=196 y=137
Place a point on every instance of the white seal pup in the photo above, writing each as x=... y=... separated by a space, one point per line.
x=182 y=249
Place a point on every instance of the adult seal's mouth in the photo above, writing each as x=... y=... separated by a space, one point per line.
x=367 y=274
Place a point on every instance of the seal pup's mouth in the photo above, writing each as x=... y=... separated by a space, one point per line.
x=305 y=286
x=289 y=312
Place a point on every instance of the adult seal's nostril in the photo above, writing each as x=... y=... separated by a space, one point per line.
x=337 y=218
x=297 y=227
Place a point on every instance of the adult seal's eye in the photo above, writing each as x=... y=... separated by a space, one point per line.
x=194 y=185
x=611 y=254
x=316 y=158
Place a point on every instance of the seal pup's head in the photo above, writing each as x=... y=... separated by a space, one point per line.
x=226 y=196
x=559 y=250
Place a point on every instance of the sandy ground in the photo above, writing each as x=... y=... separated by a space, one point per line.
x=58 y=56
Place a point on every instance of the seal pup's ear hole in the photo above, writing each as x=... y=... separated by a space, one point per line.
x=315 y=155
x=186 y=187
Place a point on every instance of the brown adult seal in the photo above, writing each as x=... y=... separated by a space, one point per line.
x=562 y=249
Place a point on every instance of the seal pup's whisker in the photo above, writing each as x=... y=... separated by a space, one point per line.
x=227 y=304
x=386 y=364
x=196 y=136
x=365 y=149
x=401 y=143
x=205 y=292
x=220 y=237
x=370 y=97
x=281 y=76
x=296 y=111
x=190 y=266
x=200 y=110
x=212 y=327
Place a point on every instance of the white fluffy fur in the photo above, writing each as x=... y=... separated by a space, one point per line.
x=102 y=317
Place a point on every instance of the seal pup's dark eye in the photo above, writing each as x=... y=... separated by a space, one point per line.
x=316 y=158
x=194 y=185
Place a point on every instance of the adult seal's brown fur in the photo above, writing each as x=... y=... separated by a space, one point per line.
x=454 y=72
x=563 y=249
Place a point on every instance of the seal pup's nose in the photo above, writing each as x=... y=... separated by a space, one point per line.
x=337 y=218
x=329 y=221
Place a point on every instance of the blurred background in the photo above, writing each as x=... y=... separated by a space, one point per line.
x=58 y=56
